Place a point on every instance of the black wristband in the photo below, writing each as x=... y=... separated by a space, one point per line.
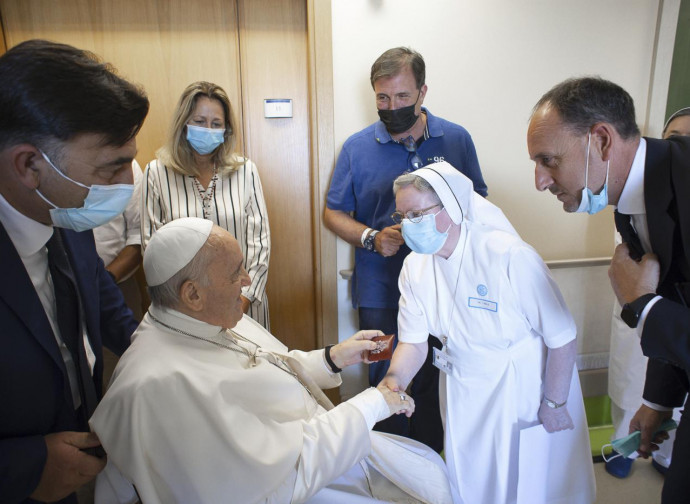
x=631 y=312
x=327 y=353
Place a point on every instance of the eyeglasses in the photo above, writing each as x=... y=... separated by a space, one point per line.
x=413 y=215
x=413 y=159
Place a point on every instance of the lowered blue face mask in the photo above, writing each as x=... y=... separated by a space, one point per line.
x=593 y=203
x=205 y=140
x=422 y=236
x=102 y=204
x=629 y=444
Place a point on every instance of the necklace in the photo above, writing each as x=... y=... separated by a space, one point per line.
x=207 y=194
x=275 y=360
x=444 y=339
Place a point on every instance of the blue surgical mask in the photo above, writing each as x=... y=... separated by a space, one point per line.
x=629 y=444
x=593 y=203
x=422 y=236
x=205 y=140
x=102 y=204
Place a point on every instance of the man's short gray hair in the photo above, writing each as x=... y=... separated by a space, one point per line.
x=167 y=294
x=415 y=181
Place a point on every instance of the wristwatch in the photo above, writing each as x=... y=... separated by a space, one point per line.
x=368 y=242
x=553 y=404
x=631 y=312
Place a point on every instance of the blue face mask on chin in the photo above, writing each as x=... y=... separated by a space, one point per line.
x=629 y=444
x=205 y=140
x=422 y=236
x=593 y=203
x=102 y=204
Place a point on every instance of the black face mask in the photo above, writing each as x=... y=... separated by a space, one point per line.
x=399 y=120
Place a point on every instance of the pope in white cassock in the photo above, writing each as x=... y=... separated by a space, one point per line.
x=207 y=407
x=508 y=347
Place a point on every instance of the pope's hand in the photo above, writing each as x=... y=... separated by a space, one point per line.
x=398 y=402
x=555 y=419
x=354 y=349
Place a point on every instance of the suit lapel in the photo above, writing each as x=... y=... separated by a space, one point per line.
x=680 y=177
x=658 y=196
x=17 y=291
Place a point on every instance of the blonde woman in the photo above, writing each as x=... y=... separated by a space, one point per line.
x=197 y=173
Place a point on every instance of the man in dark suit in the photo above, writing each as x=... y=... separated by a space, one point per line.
x=67 y=141
x=589 y=153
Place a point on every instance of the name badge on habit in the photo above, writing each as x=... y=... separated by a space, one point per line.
x=441 y=361
x=483 y=304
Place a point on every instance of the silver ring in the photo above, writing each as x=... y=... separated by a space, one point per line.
x=403 y=397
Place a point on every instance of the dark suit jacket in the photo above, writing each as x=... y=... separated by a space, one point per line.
x=666 y=332
x=34 y=389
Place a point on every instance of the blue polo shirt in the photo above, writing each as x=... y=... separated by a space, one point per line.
x=362 y=183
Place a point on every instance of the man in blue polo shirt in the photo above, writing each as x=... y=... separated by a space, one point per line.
x=360 y=203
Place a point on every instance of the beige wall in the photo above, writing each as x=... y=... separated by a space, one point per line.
x=487 y=64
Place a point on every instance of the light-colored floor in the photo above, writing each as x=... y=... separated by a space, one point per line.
x=643 y=486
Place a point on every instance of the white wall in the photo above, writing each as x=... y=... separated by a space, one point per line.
x=488 y=62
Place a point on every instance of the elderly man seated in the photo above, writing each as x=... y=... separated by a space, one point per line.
x=206 y=406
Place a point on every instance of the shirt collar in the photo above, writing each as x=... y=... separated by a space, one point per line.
x=28 y=236
x=186 y=324
x=631 y=201
x=432 y=129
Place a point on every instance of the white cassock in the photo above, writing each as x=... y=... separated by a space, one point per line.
x=188 y=421
x=497 y=306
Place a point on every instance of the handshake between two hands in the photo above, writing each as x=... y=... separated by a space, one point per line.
x=371 y=346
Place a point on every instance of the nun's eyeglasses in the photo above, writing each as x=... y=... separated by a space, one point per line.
x=414 y=216
x=413 y=159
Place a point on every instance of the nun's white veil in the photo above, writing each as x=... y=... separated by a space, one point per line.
x=457 y=194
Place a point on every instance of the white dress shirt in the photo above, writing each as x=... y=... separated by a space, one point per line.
x=29 y=238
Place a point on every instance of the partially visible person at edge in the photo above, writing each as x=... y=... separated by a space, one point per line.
x=360 y=202
x=588 y=152
x=67 y=141
x=199 y=174
x=677 y=124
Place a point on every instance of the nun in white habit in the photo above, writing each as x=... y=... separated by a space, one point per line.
x=206 y=406
x=508 y=351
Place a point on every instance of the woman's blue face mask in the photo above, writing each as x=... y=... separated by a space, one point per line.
x=205 y=140
x=423 y=237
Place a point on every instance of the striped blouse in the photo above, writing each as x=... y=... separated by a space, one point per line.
x=237 y=204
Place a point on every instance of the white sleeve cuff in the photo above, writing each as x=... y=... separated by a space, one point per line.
x=656 y=407
x=371 y=405
x=643 y=318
